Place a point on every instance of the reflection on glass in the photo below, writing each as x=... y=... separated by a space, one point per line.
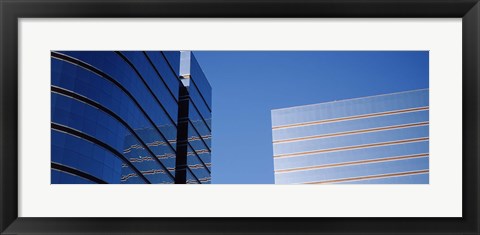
x=115 y=117
x=372 y=140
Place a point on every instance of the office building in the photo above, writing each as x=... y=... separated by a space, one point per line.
x=194 y=124
x=116 y=118
x=381 y=139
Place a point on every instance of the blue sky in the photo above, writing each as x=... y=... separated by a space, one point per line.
x=247 y=85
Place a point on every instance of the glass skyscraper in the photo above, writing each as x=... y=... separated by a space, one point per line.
x=381 y=139
x=194 y=125
x=118 y=117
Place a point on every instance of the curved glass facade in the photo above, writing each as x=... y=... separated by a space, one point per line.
x=371 y=140
x=115 y=116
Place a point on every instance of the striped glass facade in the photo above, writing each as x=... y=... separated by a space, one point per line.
x=380 y=139
x=115 y=115
x=196 y=98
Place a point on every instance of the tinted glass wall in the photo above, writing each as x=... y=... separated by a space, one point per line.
x=199 y=125
x=372 y=140
x=114 y=116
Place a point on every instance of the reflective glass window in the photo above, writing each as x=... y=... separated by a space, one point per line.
x=199 y=126
x=162 y=65
x=379 y=152
x=173 y=58
x=199 y=106
x=352 y=107
x=191 y=179
x=103 y=127
x=353 y=171
x=201 y=81
x=198 y=168
x=198 y=145
x=408 y=179
x=154 y=81
x=351 y=140
x=96 y=88
x=351 y=125
x=117 y=68
x=60 y=177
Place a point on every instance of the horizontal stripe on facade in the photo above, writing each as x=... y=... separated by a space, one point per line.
x=351 y=171
x=351 y=132
x=194 y=176
x=196 y=132
x=198 y=136
x=197 y=152
x=127 y=177
x=369 y=177
x=351 y=140
x=200 y=166
x=350 y=125
x=351 y=118
x=405 y=179
x=351 y=163
x=352 y=155
x=352 y=147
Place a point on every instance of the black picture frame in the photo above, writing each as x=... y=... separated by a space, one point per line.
x=12 y=10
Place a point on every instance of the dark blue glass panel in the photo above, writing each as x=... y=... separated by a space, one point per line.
x=198 y=146
x=201 y=81
x=129 y=176
x=158 y=147
x=191 y=179
x=200 y=107
x=60 y=177
x=91 y=121
x=90 y=85
x=173 y=58
x=85 y=156
x=169 y=76
x=200 y=126
x=117 y=68
x=154 y=82
x=198 y=169
x=128 y=101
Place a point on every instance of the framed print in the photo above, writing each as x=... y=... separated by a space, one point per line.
x=239 y=117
